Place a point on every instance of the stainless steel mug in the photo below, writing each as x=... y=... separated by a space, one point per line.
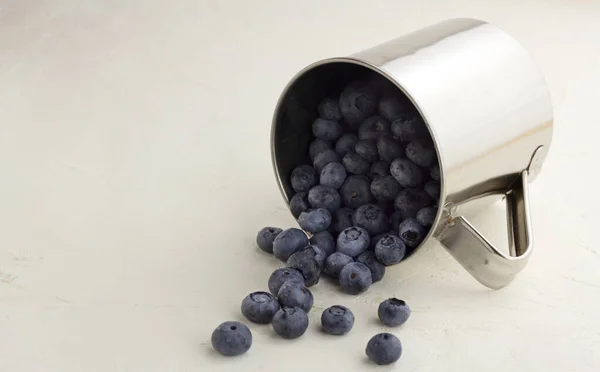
x=487 y=108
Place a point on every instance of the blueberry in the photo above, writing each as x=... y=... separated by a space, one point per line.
x=432 y=188
x=324 y=240
x=356 y=164
x=324 y=197
x=303 y=178
x=389 y=149
x=385 y=188
x=295 y=294
x=353 y=241
x=391 y=107
x=384 y=348
x=346 y=144
x=290 y=322
x=231 y=339
x=379 y=169
x=337 y=320
x=376 y=268
x=299 y=203
x=356 y=191
x=326 y=130
x=283 y=275
x=371 y=218
x=410 y=201
x=309 y=261
x=407 y=173
x=390 y=250
x=434 y=172
x=342 y=219
x=329 y=109
x=408 y=129
x=315 y=220
x=367 y=149
x=355 y=278
x=333 y=175
x=289 y=242
x=357 y=102
x=376 y=239
x=420 y=154
x=335 y=263
x=265 y=237
x=325 y=157
x=374 y=128
x=260 y=307
x=426 y=216
x=316 y=147
x=393 y=312
x=412 y=232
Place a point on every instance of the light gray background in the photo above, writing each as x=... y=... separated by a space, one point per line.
x=134 y=154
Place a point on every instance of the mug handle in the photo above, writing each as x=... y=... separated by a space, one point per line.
x=478 y=256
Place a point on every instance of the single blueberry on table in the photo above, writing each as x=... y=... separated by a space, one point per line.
x=283 y=275
x=342 y=219
x=379 y=169
x=385 y=188
x=326 y=130
x=384 y=348
x=289 y=242
x=356 y=191
x=231 y=339
x=392 y=107
x=315 y=220
x=371 y=218
x=410 y=201
x=325 y=157
x=357 y=102
x=333 y=175
x=420 y=154
x=409 y=129
x=432 y=188
x=412 y=232
x=303 y=178
x=367 y=148
x=393 y=312
x=355 y=278
x=355 y=164
x=390 y=250
x=329 y=109
x=324 y=197
x=335 y=263
x=295 y=294
x=346 y=144
x=353 y=241
x=309 y=261
x=407 y=173
x=337 y=320
x=316 y=147
x=376 y=268
x=434 y=172
x=290 y=322
x=299 y=203
x=374 y=128
x=389 y=149
x=265 y=238
x=260 y=307
x=324 y=240
x=426 y=216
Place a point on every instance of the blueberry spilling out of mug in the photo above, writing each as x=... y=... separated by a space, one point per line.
x=366 y=197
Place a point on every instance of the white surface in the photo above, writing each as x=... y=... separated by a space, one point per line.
x=134 y=153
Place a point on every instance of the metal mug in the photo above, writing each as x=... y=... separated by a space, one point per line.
x=487 y=108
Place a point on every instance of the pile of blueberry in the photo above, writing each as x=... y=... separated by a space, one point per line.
x=367 y=201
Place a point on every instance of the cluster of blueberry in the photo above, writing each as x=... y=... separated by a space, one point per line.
x=368 y=199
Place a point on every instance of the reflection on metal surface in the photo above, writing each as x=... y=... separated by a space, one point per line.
x=486 y=105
